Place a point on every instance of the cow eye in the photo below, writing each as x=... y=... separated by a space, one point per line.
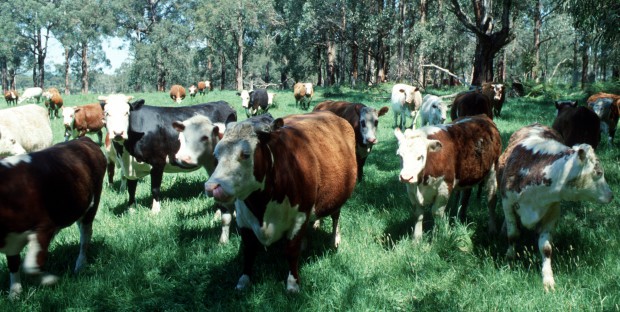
x=420 y=158
x=376 y=123
x=204 y=138
x=363 y=123
x=244 y=156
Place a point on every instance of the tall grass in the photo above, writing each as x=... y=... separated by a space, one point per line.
x=173 y=261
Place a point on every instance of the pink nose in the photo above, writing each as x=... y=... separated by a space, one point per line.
x=186 y=159
x=372 y=140
x=403 y=179
x=118 y=135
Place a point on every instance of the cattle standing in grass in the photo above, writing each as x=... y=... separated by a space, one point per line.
x=31 y=93
x=303 y=93
x=406 y=100
x=202 y=86
x=192 y=91
x=471 y=103
x=279 y=176
x=24 y=129
x=53 y=102
x=45 y=192
x=607 y=107
x=439 y=159
x=83 y=119
x=577 y=124
x=433 y=111
x=537 y=172
x=11 y=97
x=177 y=93
x=497 y=94
x=146 y=142
x=364 y=120
x=253 y=101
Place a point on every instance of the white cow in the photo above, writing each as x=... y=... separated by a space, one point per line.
x=433 y=111
x=406 y=100
x=24 y=129
x=31 y=93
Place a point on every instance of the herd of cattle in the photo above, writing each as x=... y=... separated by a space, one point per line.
x=254 y=165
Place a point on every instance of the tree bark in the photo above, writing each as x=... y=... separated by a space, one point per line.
x=319 y=67
x=421 y=60
x=402 y=9
x=84 y=68
x=222 y=70
x=584 y=65
x=4 y=74
x=68 y=54
x=239 y=39
x=354 y=62
x=537 y=28
x=331 y=60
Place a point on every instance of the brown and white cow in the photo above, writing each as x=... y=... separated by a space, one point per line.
x=439 y=159
x=577 y=124
x=192 y=91
x=607 y=107
x=303 y=93
x=48 y=191
x=536 y=173
x=79 y=120
x=177 y=93
x=496 y=92
x=53 y=102
x=11 y=97
x=365 y=122
x=279 y=176
x=406 y=100
x=471 y=103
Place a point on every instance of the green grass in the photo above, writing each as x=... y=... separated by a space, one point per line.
x=173 y=261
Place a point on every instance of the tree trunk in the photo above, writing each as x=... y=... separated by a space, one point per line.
x=537 y=28
x=161 y=74
x=222 y=70
x=421 y=73
x=402 y=8
x=4 y=74
x=575 y=62
x=331 y=60
x=354 y=60
x=239 y=39
x=319 y=67
x=68 y=54
x=84 y=68
x=584 y=65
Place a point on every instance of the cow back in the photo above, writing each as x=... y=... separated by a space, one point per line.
x=469 y=104
x=29 y=125
x=259 y=98
x=578 y=125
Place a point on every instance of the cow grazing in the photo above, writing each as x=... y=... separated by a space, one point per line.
x=433 y=111
x=192 y=91
x=406 y=100
x=271 y=96
x=439 y=159
x=146 y=142
x=536 y=172
x=24 y=129
x=303 y=93
x=177 y=93
x=253 y=101
x=496 y=92
x=82 y=119
x=365 y=122
x=279 y=176
x=607 y=107
x=203 y=86
x=577 y=124
x=11 y=97
x=53 y=102
x=471 y=103
x=48 y=190
x=31 y=93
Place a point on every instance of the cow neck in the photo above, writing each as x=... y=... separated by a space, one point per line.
x=258 y=200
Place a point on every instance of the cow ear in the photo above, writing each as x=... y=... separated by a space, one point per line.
x=178 y=126
x=76 y=109
x=383 y=111
x=582 y=152
x=216 y=132
x=434 y=146
x=238 y=93
x=137 y=104
x=277 y=124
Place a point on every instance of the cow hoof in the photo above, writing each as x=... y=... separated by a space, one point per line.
x=49 y=279
x=243 y=283
x=291 y=284
x=549 y=284
x=15 y=292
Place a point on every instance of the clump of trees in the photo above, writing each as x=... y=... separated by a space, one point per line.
x=239 y=43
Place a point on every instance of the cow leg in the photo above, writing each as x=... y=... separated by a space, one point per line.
x=418 y=212
x=293 y=251
x=491 y=187
x=131 y=189
x=157 y=173
x=100 y=137
x=544 y=245
x=13 y=262
x=226 y=219
x=250 y=245
x=464 y=201
x=111 y=168
x=336 y=228
x=360 y=169
x=38 y=244
x=512 y=231
x=86 y=232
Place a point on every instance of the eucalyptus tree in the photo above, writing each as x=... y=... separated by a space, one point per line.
x=12 y=46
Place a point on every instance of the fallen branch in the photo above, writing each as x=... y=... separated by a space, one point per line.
x=556 y=68
x=447 y=72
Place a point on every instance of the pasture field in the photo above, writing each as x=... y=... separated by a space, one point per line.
x=173 y=261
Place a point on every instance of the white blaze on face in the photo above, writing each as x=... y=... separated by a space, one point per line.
x=413 y=148
x=68 y=115
x=497 y=89
x=192 y=90
x=116 y=115
x=369 y=120
x=197 y=139
x=245 y=99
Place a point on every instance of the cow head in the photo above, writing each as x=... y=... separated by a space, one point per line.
x=369 y=121
x=245 y=98
x=236 y=154
x=586 y=177
x=68 y=115
x=116 y=112
x=498 y=91
x=8 y=144
x=413 y=148
x=198 y=137
x=559 y=105
x=192 y=90
x=602 y=107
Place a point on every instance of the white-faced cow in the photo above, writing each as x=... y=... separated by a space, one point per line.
x=536 y=173
x=177 y=93
x=496 y=92
x=365 y=122
x=303 y=93
x=11 y=97
x=254 y=101
x=433 y=111
x=607 y=108
x=577 y=124
x=471 y=103
x=279 y=176
x=24 y=129
x=79 y=120
x=439 y=159
x=45 y=192
x=192 y=91
x=146 y=141
x=406 y=100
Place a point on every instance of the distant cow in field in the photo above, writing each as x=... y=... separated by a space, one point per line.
x=80 y=120
x=253 y=101
x=433 y=111
x=11 y=97
x=437 y=160
x=177 y=93
x=536 y=173
x=365 y=122
x=607 y=108
x=282 y=175
x=192 y=91
x=577 y=124
x=497 y=94
x=471 y=103
x=406 y=100
x=24 y=129
x=204 y=86
x=45 y=192
x=303 y=93
x=31 y=93
x=53 y=102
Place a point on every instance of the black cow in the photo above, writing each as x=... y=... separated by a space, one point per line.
x=577 y=124
x=253 y=100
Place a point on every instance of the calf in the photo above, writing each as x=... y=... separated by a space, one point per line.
x=48 y=190
x=303 y=93
x=497 y=94
x=439 y=159
x=279 y=176
x=53 y=102
x=24 y=129
x=31 y=93
x=203 y=86
x=433 y=111
x=82 y=119
x=577 y=124
x=192 y=91
x=11 y=97
x=536 y=173
x=365 y=122
x=177 y=93
x=607 y=107
x=471 y=103
x=254 y=100
x=406 y=100
x=146 y=142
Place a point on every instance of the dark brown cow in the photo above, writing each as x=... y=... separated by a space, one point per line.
x=496 y=92
x=365 y=122
x=439 y=159
x=48 y=190
x=471 y=103
x=607 y=107
x=83 y=119
x=577 y=124
x=280 y=176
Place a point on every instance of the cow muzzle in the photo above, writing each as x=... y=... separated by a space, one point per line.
x=407 y=179
x=217 y=192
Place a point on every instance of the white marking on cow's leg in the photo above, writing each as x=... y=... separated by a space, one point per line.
x=544 y=245
x=418 y=215
x=86 y=232
x=30 y=263
x=317 y=224
x=226 y=219
x=156 y=207
x=336 y=230
x=16 y=285
x=48 y=279
x=243 y=283
x=291 y=284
